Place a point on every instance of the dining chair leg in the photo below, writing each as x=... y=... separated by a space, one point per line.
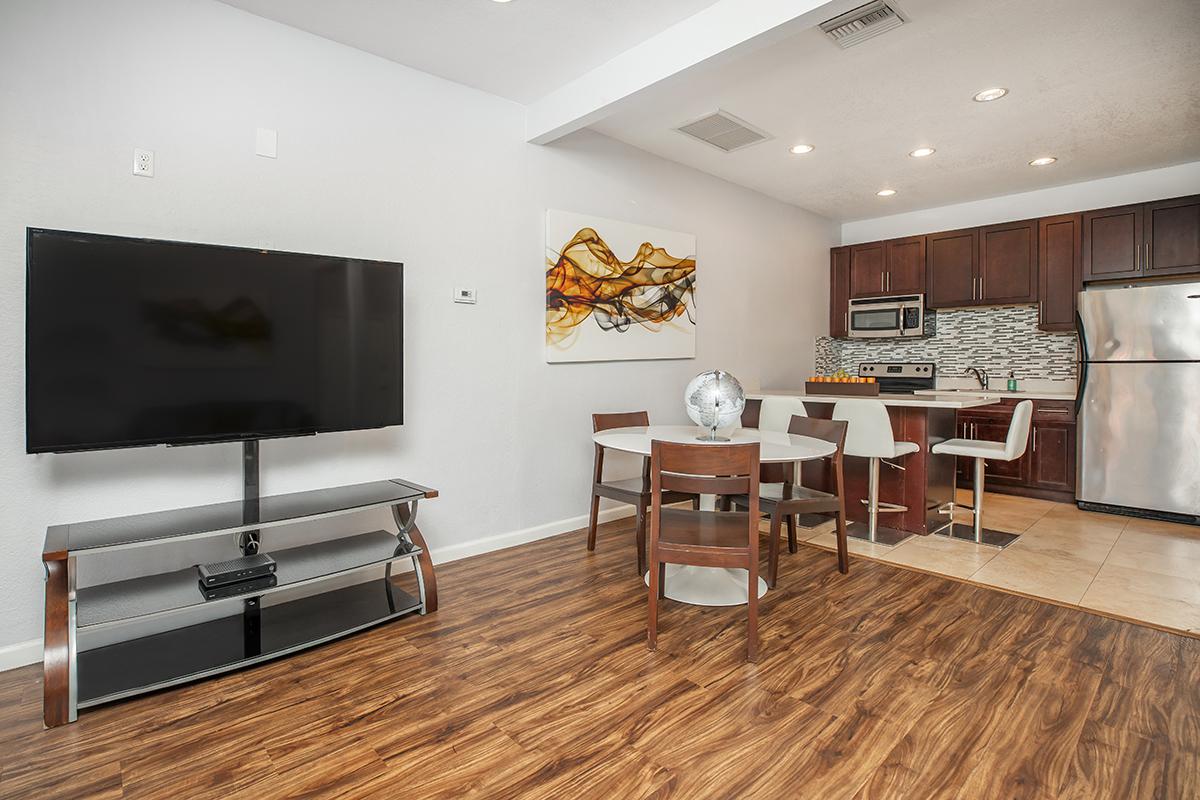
x=593 y=518
x=752 y=627
x=662 y=579
x=843 y=552
x=773 y=552
x=652 y=621
x=696 y=503
x=791 y=529
x=641 y=539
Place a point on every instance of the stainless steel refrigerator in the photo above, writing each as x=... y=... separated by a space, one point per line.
x=1139 y=400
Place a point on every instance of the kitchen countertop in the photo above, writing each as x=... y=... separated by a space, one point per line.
x=932 y=400
x=998 y=394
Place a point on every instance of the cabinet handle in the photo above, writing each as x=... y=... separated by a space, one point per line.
x=1139 y=258
x=1034 y=438
x=1149 y=263
x=847 y=322
x=883 y=282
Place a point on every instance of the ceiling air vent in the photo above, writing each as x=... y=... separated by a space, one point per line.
x=723 y=131
x=855 y=27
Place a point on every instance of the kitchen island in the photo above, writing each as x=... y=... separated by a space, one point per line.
x=925 y=485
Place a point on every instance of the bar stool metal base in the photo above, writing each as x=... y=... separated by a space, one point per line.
x=992 y=538
x=888 y=537
x=975 y=532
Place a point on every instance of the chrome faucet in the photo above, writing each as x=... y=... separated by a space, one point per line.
x=980 y=375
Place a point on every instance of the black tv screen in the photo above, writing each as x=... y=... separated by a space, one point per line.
x=140 y=342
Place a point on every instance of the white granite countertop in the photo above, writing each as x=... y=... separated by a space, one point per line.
x=997 y=394
x=932 y=400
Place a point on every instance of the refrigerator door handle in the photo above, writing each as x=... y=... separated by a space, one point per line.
x=1083 y=364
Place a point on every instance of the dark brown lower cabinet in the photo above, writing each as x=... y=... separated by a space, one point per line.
x=1053 y=456
x=1047 y=470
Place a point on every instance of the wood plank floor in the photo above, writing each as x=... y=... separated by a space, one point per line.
x=533 y=681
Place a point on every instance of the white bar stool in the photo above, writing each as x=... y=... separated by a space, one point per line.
x=777 y=412
x=869 y=435
x=1012 y=448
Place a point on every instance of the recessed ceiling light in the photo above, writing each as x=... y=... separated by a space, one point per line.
x=1043 y=161
x=801 y=149
x=988 y=95
x=500 y=1
x=922 y=152
x=886 y=192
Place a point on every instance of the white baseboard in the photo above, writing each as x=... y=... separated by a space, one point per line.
x=30 y=652
x=20 y=654
x=501 y=541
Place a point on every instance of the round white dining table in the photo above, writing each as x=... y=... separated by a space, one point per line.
x=713 y=586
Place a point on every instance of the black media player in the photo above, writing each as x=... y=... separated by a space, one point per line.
x=235 y=570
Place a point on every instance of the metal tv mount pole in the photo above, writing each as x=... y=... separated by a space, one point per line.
x=250 y=541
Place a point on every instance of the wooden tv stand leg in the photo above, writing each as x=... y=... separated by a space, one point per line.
x=58 y=660
x=405 y=515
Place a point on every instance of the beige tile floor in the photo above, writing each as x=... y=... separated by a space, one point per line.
x=1140 y=570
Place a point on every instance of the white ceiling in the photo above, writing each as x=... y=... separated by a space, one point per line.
x=520 y=50
x=1107 y=86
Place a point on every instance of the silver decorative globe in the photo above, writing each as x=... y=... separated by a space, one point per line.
x=714 y=400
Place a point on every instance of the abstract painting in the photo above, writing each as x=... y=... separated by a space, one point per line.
x=616 y=291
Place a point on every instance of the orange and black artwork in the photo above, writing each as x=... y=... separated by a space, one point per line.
x=586 y=280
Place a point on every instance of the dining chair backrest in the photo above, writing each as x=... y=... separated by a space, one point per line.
x=869 y=429
x=720 y=469
x=751 y=413
x=1018 y=431
x=624 y=419
x=827 y=430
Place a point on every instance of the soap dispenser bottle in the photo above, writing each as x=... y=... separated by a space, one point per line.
x=1012 y=381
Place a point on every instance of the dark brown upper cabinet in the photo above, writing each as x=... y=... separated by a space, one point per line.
x=839 y=291
x=952 y=268
x=1060 y=271
x=867 y=269
x=1112 y=243
x=1172 y=236
x=905 y=266
x=1142 y=241
x=1008 y=268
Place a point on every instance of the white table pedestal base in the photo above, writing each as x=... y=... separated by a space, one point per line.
x=708 y=586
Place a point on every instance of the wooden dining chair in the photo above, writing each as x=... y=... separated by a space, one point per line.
x=634 y=491
x=785 y=498
x=703 y=538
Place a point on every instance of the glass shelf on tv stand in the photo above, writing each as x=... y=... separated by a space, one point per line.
x=234 y=516
x=150 y=596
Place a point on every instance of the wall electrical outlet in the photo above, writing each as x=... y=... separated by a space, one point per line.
x=143 y=162
x=462 y=295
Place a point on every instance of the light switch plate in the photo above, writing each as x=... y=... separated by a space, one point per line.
x=266 y=142
x=462 y=295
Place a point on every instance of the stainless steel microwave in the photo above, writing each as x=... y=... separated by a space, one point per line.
x=887 y=317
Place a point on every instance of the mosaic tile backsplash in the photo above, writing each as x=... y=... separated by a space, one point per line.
x=995 y=339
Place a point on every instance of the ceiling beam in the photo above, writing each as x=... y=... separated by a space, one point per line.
x=724 y=29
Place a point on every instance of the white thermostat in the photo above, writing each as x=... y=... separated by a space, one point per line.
x=464 y=295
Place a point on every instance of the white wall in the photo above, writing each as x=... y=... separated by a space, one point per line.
x=377 y=161
x=1137 y=187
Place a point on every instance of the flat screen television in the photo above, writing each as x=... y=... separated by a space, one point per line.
x=135 y=342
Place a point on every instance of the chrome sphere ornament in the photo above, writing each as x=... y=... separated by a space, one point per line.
x=714 y=400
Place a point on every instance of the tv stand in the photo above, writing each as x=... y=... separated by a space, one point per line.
x=200 y=646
